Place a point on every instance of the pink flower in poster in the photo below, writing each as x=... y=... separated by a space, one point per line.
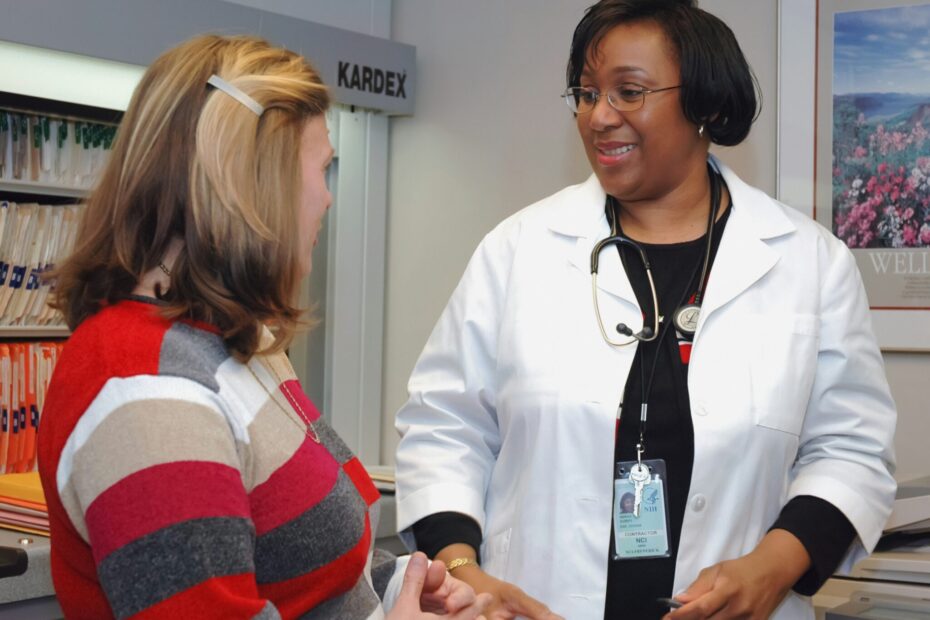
x=881 y=184
x=925 y=234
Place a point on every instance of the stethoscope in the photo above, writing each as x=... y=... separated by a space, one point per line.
x=685 y=318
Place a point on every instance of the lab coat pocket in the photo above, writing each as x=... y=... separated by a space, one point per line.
x=494 y=553
x=782 y=368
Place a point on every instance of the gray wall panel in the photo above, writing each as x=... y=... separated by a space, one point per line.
x=137 y=31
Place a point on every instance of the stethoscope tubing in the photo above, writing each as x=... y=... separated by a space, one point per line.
x=619 y=240
x=595 y=258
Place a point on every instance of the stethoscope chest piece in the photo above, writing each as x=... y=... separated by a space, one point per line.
x=685 y=318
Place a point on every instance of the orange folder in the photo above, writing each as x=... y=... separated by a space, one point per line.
x=6 y=398
x=17 y=408
x=30 y=424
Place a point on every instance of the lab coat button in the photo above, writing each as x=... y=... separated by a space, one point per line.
x=698 y=502
x=701 y=410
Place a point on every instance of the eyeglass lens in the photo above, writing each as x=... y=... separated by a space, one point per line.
x=624 y=97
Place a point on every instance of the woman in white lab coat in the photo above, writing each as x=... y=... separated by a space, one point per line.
x=738 y=371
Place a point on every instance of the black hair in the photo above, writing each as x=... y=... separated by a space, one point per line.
x=718 y=88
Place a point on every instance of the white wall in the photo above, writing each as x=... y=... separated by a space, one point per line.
x=366 y=16
x=490 y=135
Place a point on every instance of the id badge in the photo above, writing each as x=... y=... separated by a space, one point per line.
x=646 y=535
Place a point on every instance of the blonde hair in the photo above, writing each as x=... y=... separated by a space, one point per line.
x=190 y=161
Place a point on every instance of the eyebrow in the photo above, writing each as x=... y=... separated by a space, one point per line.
x=621 y=69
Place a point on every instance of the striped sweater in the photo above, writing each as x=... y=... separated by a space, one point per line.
x=182 y=483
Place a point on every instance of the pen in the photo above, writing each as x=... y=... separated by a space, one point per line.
x=669 y=602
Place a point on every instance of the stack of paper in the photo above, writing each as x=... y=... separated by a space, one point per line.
x=32 y=239
x=383 y=477
x=911 y=507
x=22 y=504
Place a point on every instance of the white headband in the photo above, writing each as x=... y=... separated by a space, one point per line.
x=236 y=94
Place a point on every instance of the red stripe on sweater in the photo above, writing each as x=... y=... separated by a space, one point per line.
x=298 y=400
x=298 y=485
x=366 y=488
x=219 y=598
x=295 y=596
x=160 y=496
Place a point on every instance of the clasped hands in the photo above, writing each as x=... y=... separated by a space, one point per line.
x=749 y=587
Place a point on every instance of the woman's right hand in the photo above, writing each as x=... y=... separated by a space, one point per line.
x=508 y=601
x=431 y=586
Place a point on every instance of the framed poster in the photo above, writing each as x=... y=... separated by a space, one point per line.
x=867 y=169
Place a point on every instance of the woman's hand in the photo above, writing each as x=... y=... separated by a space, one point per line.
x=429 y=587
x=749 y=587
x=507 y=600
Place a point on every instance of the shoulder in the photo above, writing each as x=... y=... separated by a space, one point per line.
x=126 y=353
x=131 y=338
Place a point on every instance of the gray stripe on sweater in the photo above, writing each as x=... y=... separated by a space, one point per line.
x=268 y=612
x=192 y=353
x=382 y=569
x=359 y=602
x=332 y=441
x=315 y=538
x=159 y=565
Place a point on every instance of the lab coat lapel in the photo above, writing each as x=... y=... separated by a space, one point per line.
x=743 y=257
x=581 y=215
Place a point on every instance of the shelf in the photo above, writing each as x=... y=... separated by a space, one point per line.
x=34 y=331
x=42 y=189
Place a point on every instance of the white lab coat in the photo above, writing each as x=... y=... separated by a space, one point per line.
x=513 y=401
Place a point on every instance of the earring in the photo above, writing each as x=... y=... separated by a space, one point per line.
x=701 y=130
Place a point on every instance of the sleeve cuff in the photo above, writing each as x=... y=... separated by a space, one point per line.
x=824 y=531
x=437 y=531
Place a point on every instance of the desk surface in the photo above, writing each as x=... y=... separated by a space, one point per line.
x=37 y=581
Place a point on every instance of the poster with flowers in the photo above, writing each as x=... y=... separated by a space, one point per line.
x=873 y=173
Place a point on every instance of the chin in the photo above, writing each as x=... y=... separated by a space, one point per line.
x=619 y=188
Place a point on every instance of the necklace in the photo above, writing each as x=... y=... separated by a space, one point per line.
x=304 y=423
x=161 y=266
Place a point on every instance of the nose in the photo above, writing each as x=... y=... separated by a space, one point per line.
x=604 y=116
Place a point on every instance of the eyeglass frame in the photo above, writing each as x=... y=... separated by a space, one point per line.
x=569 y=96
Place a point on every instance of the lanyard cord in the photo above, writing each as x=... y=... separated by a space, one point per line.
x=647 y=387
x=715 y=191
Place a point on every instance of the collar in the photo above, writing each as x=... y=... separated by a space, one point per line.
x=579 y=212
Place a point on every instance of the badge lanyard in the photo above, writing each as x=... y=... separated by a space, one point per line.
x=689 y=311
x=640 y=502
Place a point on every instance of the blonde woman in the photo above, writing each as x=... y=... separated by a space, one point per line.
x=187 y=474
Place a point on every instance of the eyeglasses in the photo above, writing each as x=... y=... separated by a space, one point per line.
x=624 y=97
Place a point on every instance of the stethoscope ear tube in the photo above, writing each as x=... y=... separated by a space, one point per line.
x=646 y=334
x=617 y=240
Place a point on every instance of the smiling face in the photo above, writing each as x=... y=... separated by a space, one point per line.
x=647 y=153
x=627 y=502
x=316 y=154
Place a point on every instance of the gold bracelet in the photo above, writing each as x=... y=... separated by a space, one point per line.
x=459 y=562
